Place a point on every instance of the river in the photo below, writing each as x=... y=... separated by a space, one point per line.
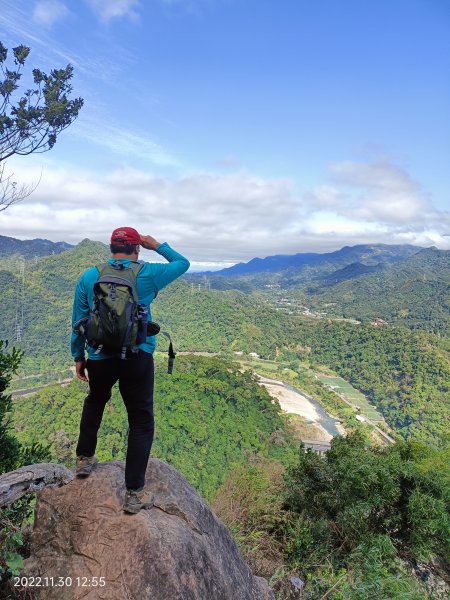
x=297 y=402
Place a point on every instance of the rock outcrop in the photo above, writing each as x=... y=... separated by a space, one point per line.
x=84 y=546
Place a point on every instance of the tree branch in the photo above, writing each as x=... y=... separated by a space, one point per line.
x=10 y=193
x=30 y=479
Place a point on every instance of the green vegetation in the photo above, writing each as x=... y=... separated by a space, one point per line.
x=346 y=390
x=209 y=416
x=199 y=319
x=216 y=425
x=403 y=285
x=47 y=299
x=12 y=456
x=404 y=374
x=349 y=524
x=32 y=122
x=9 y=447
x=414 y=293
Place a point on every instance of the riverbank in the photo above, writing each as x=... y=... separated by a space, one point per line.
x=294 y=402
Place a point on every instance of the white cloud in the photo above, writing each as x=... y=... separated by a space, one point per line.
x=48 y=12
x=216 y=218
x=115 y=9
x=378 y=192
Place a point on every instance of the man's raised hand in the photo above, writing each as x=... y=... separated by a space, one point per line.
x=149 y=242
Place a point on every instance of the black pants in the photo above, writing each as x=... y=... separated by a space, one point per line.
x=136 y=378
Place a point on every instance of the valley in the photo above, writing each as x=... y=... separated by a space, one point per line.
x=400 y=371
x=263 y=366
x=263 y=190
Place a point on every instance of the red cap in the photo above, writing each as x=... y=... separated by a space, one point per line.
x=125 y=235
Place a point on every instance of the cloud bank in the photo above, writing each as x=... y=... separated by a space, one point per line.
x=218 y=218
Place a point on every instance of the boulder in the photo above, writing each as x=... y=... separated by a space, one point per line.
x=84 y=546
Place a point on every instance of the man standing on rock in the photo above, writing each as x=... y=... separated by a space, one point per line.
x=134 y=370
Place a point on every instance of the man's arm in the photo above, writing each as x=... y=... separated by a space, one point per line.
x=165 y=273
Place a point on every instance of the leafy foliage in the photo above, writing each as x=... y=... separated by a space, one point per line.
x=405 y=374
x=9 y=446
x=32 y=122
x=209 y=417
x=345 y=523
x=13 y=455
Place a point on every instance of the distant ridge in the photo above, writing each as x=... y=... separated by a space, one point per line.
x=414 y=292
x=366 y=254
x=30 y=248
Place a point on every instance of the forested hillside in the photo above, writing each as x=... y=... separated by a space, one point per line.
x=221 y=430
x=356 y=524
x=414 y=293
x=30 y=248
x=209 y=416
x=45 y=294
x=405 y=374
x=404 y=285
x=200 y=319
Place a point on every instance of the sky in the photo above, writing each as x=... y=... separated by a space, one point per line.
x=241 y=128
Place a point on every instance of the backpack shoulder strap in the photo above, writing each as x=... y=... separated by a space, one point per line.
x=101 y=267
x=137 y=267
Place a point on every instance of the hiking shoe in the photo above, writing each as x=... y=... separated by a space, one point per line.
x=85 y=464
x=135 y=500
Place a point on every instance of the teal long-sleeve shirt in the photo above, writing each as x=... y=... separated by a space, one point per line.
x=152 y=278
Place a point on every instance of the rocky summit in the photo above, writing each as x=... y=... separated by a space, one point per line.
x=84 y=546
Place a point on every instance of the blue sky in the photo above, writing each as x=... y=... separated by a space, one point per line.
x=242 y=128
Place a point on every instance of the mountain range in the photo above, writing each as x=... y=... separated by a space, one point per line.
x=37 y=306
x=30 y=248
x=403 y=284
x=367 y=254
